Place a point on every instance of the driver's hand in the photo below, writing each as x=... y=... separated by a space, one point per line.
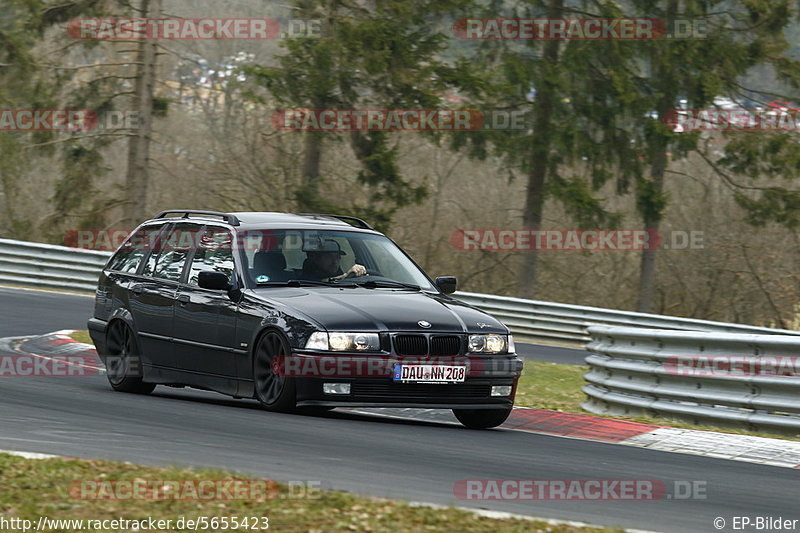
x=356 y=270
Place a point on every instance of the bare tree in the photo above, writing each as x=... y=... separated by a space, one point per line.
x=137 y=176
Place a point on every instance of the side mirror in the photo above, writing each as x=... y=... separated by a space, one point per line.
x=446 y=284
x=211 y=279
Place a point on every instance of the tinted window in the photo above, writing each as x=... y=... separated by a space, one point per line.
x=214 y=252
x=168 y=260
x=132 y=251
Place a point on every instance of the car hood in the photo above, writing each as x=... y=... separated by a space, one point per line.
x=359 y=309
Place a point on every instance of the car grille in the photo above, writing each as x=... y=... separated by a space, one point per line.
x=422 y=345
x=404 y=391
x=411 y=344
x=449 y=345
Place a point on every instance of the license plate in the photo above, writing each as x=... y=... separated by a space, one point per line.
x=429 y=373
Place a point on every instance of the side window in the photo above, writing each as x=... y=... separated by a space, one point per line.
x=132 y=251
x=214 y=252
x=168 y=260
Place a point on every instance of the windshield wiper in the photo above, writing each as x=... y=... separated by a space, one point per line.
x=372 y=284
x=294 y=283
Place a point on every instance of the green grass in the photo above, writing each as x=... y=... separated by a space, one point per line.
x=81 y=336
x=558 y=387
x=34 y=488
x=551 y=386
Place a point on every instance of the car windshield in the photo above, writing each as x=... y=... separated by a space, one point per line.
x=278 y=257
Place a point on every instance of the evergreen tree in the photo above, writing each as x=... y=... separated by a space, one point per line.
x=733 y=37
x=384 y=56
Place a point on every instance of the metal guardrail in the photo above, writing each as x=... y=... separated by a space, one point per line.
x=60 y=267
x=567 y=324
x=698 y=377
x=50 y=266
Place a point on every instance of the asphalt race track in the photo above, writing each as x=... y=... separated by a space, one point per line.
x=418 y=461
x=551 y=354
x=28 y=312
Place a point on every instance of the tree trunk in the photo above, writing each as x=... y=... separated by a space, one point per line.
x=308 y=194
x=650 y=193
x=9 y=151
x=652 y=223
x=546 y=94
x=137 y=178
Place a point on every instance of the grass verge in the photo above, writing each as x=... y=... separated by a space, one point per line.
x=34 y=488
x=81 y=335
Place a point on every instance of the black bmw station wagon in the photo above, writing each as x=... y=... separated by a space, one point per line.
x=299 y=311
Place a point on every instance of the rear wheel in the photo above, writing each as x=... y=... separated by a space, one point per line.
x=273 y=391
x=481 y=418
x=123 y=363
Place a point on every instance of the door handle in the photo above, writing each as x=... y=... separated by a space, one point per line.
x=137 y=289
x=183 y=298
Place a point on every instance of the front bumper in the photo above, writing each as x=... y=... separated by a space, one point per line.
x=382 y=391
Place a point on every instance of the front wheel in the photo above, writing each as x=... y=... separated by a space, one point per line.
x=123 y=363
x=274 y=391
x=481 y=418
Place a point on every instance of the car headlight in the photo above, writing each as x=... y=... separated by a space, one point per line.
x=490 y=343
x=343 y=342
x=317 y=341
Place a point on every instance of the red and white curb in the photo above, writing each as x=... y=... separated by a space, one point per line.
x=746 y=448
x=59 y=344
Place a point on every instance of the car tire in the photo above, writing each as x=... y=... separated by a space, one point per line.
x=273 y=391
x=123 y=362
x=481 y=418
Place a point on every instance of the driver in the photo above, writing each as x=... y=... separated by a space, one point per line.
x=323 y=264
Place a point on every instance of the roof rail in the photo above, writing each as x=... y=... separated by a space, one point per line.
x=231 y=219
x=344 y=218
